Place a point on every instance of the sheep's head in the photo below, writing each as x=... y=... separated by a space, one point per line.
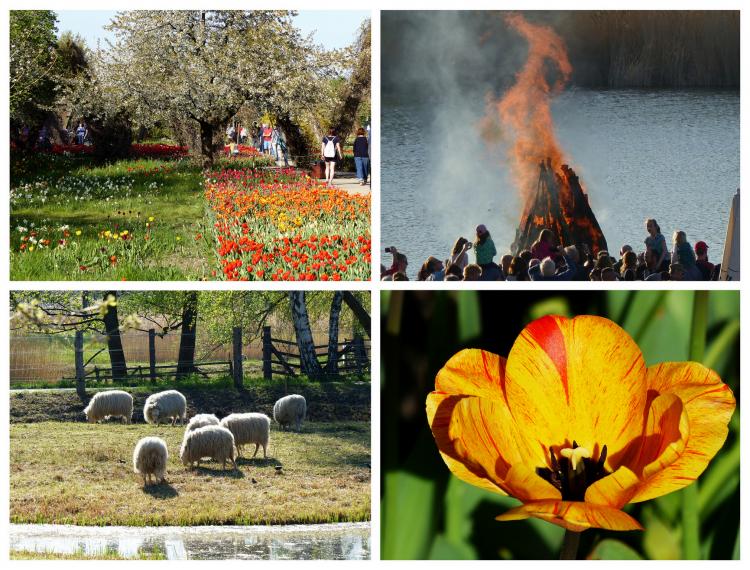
x=89 y=418
x=155 y=411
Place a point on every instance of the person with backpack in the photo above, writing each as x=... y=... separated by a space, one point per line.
x=329 y=149
x=267 y=135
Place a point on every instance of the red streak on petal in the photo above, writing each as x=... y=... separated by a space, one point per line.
x=547 y=334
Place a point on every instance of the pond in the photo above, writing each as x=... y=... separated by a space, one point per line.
x=665 y=154
x=342 y=541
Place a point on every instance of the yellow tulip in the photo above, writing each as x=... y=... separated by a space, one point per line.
x=574 y=425
x=78 y=232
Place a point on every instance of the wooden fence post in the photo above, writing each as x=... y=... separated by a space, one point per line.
x=80 y=371
x=267 y=371
x=360 y=354
x=237 y=357
x=152 y=354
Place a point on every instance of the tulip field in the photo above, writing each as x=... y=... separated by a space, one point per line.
x=157 y=216
x=285 y=226
x=560 y=425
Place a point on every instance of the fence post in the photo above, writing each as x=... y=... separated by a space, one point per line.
x=152 y=354
x=80 y=372
x=267 y=371
x=359 y=352
x=96 y=371
x=237 y=357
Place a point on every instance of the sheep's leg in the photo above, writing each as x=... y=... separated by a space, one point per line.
x=256 y=450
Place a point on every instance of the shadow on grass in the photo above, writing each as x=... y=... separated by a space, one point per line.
x=161 y=491
x=259 y=462
x=219 y=472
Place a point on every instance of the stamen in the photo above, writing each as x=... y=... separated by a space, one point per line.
x=576 y=456
x=573 y=470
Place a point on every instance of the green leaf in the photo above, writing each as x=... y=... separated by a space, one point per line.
x=720 y=347
x=553 y=306
x=445 y=549
x=407 y=516
x=469 y=316
x=719 y=481
x=659 y=541
x=612 y=549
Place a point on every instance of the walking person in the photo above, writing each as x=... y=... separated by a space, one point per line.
x=80 y=133
x=329 y=149
x=361 y=155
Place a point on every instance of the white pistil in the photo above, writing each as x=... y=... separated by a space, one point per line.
x=576 y=456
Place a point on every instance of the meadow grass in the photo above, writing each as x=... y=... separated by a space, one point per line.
x=158 y=202
x=108 y=554
x=77 y=473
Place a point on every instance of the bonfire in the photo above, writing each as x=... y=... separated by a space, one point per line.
x=551 y=192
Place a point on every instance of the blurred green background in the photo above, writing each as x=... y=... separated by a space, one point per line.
x=426 y=513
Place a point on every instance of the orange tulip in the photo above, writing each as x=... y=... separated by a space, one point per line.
x=574 y=425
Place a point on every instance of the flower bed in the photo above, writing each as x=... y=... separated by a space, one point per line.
x=285 y=226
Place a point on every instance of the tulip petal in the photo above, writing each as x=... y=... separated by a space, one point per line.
x=579 y=379
x=475 y=439
x=576 y=516
x=614 y=490
x=708 y=405
x=474 y=430
x=473 y=372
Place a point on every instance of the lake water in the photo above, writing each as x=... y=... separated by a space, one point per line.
x=669 y=155
x=343 y=541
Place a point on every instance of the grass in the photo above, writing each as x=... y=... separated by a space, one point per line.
x=108 y=554
x=76 y=473
x=159 y=203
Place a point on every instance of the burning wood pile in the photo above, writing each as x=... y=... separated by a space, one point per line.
x=560 y=205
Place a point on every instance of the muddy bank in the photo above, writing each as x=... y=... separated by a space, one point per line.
x=325 y=402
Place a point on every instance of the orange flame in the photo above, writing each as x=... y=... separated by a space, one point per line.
x=525 y=108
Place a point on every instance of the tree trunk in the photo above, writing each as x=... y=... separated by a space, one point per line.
x=363 y=317
x=308 y=360
x=332 y=365
x=114 y=342
x=207 y=145
x=296 y=142
x=186 y=353
x=358 y=87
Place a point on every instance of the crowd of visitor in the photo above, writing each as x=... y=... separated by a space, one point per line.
x=546 y=260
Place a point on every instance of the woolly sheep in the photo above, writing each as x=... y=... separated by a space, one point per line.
x=165 y=405
x=290 y=410
x=215 y=442
x=249 y=428
x=150 y=459
x=201 y=420
x=111 y=403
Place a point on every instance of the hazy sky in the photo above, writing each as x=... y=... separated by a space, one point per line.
x=331 y=28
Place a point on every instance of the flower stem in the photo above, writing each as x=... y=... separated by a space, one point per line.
x=570 y=545
x=690 y=503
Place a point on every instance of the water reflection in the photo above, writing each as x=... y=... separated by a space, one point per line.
x=345 y=541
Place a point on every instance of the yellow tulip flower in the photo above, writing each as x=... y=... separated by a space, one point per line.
x=574 y=425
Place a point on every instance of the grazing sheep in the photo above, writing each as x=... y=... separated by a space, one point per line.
x=164 y=406
x=290 y=410
x=215 y=442
x=111 y=403
x=201 y=420
x=249 y=428
x=150 y=459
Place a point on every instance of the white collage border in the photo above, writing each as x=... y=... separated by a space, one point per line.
x=375 y=286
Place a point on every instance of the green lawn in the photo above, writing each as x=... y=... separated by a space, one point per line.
x=156 y=205
x=157 y=202
x=78 y=473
